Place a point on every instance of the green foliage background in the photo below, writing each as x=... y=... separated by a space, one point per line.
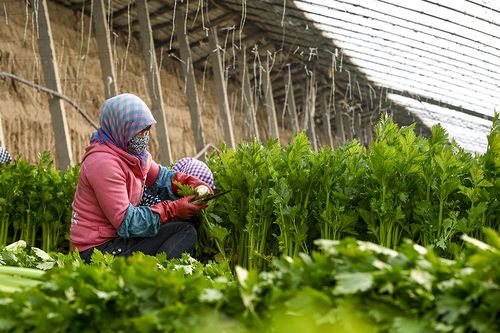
x=294 y=243
x=35 y=203
x=346 y=286
x=401 y=187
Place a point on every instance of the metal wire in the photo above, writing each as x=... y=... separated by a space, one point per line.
x=376 y=62
x=454 y=81
x=304 y=19
x=363 y=37
x=53 y=93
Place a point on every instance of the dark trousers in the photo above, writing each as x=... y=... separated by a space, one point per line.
x=173 y=239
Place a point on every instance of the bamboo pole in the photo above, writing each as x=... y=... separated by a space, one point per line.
x=292 y=107
x=64 y=153
x=271 y=111
x=190 y=80
x=358 y=126
x=2 y=136
x=348 y=124
x=154 y=84
x=339 y=125
x=104 y=49
x=327 y=126
x=311 y=110
x=220 y=87
x=247 y=96
x=369 y=133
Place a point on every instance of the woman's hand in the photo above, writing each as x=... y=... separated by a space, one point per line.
x=202 y=191
x=182 y=208
x=186 y=179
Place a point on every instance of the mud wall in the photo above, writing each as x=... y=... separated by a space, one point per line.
x=24 y=110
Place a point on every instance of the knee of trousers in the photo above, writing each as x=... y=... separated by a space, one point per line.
x=190 y=229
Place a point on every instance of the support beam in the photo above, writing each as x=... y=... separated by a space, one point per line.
x=190 y=81
x=46 y=48
x=295 y=70
x=165 y=24
x=357 y=125
x=330 y=99
x=348 y=125
x=123 y=10
x=104 y=48
x=369 y=134
x=339 y=125
x=247 y=95
x=290 y=101
x=327 y=125
x=279 y=88
x=162 y=10
x=244 y=40
x=311 y=111
x=364 y=142
x=269 y=102
x=215 y=22
x=154 y=84
x=433 y=101
x=220 y=87
x=2 y=136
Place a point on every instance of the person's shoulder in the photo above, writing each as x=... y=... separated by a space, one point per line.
x=101 y=159
x=102 y=165
x=103 y=156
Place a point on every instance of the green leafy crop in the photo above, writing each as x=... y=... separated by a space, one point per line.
x=347 y=286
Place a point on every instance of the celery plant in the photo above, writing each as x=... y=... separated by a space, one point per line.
x=491 y=165
x=393 y=161
x=342 y=171
x=292 y=195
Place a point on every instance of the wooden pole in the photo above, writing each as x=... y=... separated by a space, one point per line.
x=369 y=133
x=51 y=75
x=247 y=96
x=327 y=125
x=271 y=111
x=339 y=125
x=104 y=49
x=330 y=102
x=220 y=87
x=357 y=126
x=311 y=111
x=349 y=124
x=190 y=80
x=291 y=101
x=2 y=136
x=154 y=84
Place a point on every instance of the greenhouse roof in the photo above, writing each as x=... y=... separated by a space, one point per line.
x=442 y=51
x=425 y=61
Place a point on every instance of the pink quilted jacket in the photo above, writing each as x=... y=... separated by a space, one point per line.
x=110 y=180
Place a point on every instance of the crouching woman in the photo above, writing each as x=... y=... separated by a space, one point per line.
x=114 y=171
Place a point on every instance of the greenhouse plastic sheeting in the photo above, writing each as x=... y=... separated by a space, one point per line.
x=448 y=51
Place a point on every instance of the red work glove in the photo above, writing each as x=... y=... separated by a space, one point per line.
x=182 y=208
x=186 y=179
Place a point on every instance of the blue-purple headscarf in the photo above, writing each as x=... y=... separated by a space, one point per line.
x=121 y=118
x=196 y=168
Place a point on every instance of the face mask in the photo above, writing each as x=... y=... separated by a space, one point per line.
x=138 y=144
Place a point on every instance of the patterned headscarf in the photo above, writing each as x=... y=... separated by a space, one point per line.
x=121 y=118
x=4 y=156
x=188 y=165
x=196 y=168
